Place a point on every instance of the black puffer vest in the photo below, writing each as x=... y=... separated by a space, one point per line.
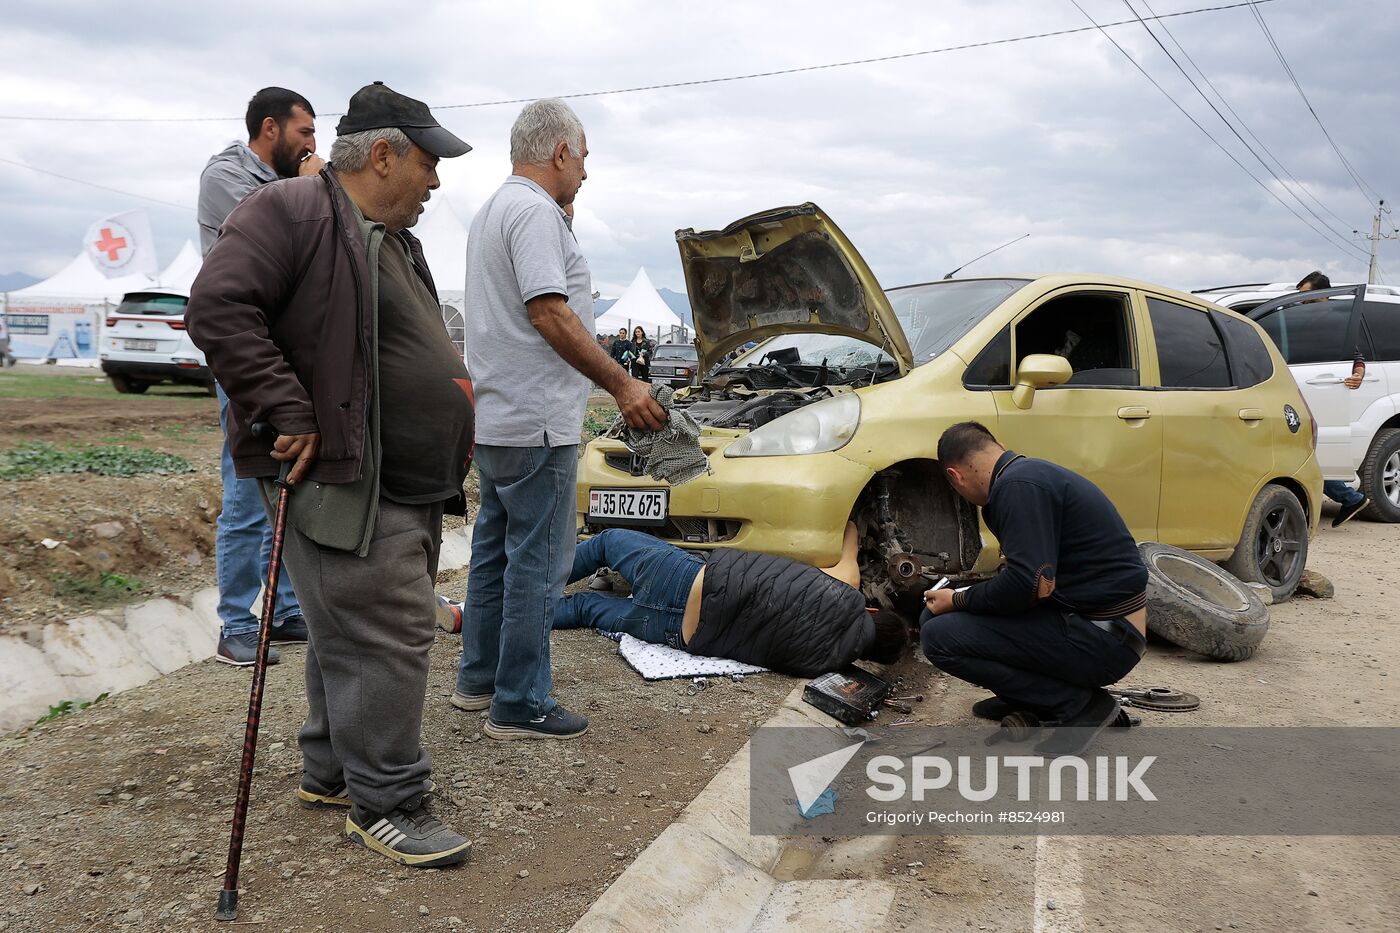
x=780 y=614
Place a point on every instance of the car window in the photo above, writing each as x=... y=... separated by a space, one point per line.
x=1383 y=321
x=675 y=353
x=1250 y=361
x=1311 y=332
x=153 y=304
x=1093 y=330
x=992 y=367
x=1190 y=352
x=933 y=317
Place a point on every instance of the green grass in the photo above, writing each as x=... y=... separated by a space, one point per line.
x=37 y=458
x=597 y=420
x=132 y=437
x=96 y=590
x=69 y=706
x=88 y=384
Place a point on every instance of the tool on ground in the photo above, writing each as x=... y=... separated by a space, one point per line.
x=899 y=706
x=1015 y=727
x=1161 y=699
x=228 y=897
x=851 y=696
x=696 y=685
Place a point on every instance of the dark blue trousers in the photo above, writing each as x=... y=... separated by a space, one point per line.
x=1046 y=661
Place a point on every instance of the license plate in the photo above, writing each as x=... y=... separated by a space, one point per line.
x=633 y=506
x=148 y=346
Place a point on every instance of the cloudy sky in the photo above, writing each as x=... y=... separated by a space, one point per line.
x=924 y=161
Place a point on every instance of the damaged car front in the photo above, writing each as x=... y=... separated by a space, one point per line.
x=799 y=429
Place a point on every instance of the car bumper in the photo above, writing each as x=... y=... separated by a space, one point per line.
x=158 y=372
x=1309 y=476
x=794 y=507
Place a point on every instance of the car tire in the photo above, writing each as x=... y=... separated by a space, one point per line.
x=1273 y=547
x=1380 y=477
x=1195 y=604
x=128 y=386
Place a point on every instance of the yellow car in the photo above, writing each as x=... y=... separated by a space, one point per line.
x=1183 y=413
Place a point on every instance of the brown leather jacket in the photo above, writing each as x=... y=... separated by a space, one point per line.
x=281 y=309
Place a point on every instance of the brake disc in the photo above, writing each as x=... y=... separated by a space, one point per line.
x=1161 y=699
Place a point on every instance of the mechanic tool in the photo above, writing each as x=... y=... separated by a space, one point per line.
x=1015 y=727
x=899 y=705
x=916 y=697
x=696 y=685
x=1160 y=699
x=851 y=696
x=228 y=897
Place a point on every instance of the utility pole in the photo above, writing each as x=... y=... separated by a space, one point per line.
x=1375 y=238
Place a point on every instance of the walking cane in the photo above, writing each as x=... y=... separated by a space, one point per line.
x=228 y=897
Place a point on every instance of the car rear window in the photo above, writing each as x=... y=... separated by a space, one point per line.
x=1250 y=362
x=171 y=305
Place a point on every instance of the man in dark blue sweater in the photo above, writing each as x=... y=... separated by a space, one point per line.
x=1067 y=614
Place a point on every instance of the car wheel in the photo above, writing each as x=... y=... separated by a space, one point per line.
x=213 y=390
x=1195 y=604
x=1380 y=477
x=1273 y=548
x=126 y=385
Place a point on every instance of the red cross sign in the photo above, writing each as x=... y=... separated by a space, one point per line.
x=111 y=245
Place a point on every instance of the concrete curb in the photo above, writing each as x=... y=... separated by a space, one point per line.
x=115 y=650
x=706 y=871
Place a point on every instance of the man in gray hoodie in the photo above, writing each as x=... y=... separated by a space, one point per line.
x=281 y=144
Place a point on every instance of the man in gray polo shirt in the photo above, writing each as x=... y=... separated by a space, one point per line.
x=532 y=354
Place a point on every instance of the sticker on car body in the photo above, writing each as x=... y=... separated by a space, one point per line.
x=1290 y=415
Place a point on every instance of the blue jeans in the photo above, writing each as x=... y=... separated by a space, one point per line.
x=661 y=576
x=1338 y=491
x=522 y=549
x=242 y=540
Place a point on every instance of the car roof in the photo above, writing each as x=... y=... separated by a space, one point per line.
x=1049 y=281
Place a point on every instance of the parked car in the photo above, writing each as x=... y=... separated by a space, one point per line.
x=1245 y=298
x=1183 y=413
x=1320 y=334
x=676 y=364
x=144 y=343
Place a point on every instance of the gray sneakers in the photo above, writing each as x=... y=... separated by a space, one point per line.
x=242 y=650
x=414 y=837
x=558 y=724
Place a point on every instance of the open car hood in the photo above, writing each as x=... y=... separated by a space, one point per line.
x=783 y=271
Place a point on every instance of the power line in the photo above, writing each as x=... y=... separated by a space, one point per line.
x=1331 y=234
x=1198 y=126
x=692 y=83
x=1282 y=169
x=1366 y=190
x=91 y=184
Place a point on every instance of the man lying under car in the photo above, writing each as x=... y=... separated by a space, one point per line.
x=755 y=608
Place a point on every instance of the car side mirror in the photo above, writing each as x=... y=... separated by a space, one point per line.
x=1039 y=371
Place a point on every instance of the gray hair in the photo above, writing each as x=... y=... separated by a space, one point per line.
x=350 y=153
x=541 y=126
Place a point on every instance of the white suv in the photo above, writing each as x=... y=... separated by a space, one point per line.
x=1320 y=333
x=145 y=342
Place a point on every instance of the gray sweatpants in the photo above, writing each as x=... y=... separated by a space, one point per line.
x=371 y=623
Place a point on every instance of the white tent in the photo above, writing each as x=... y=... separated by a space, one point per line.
x=444 y=245
x=79 y=282
x=179 y=275
x=640 y=305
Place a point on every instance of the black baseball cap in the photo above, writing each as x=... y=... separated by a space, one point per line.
x=376 y=106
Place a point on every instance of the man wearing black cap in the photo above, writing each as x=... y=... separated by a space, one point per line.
x=318 y=315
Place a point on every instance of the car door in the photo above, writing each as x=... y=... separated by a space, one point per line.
x=1101 y=424
x=1319 y=334
x=1217 y=441
x=1381 y=321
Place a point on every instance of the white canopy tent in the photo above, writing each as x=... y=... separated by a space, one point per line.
x=641 y=305
x=179 y=275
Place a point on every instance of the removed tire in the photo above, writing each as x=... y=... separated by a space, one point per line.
x=1193 y=603
x=1273 y=548
x=1380 y=477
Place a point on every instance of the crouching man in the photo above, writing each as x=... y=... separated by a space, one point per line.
x=1067 y=614
x=755 y=608
x=318 y=315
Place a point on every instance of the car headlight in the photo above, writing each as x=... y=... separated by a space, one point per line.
x=818 y=428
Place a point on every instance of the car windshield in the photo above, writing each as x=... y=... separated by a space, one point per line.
x=172 y=305
x=675 y=353
x=933 y=317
